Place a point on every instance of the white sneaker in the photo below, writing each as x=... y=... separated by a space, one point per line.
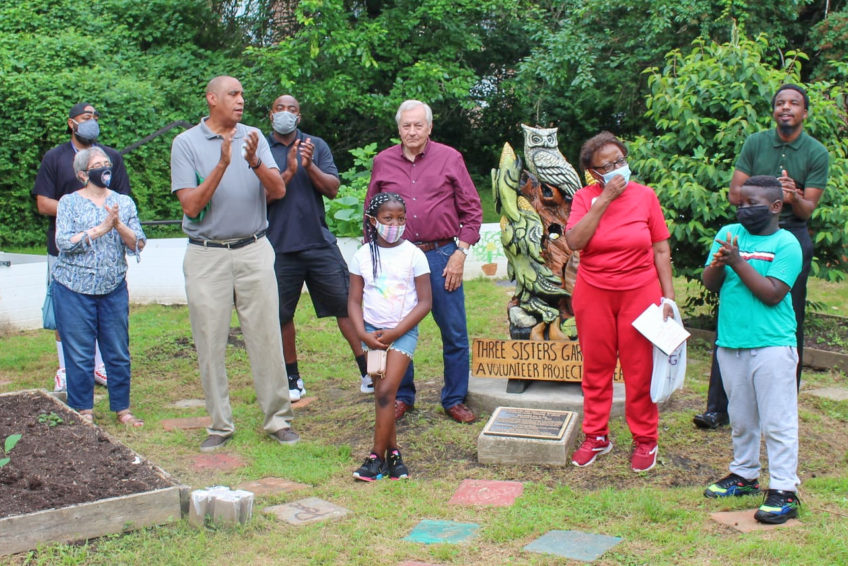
x=367 y=385
x=100 y=374
x=296 y=389
x=59 y=381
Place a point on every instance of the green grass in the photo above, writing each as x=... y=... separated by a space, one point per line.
x=661 y=515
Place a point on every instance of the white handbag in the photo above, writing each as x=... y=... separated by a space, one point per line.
x=669 y=370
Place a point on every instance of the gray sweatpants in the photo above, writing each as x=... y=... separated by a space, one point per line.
x=763 y=401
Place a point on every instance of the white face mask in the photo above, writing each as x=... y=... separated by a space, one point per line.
x=624 y=171
x=284 y=122
x=390 y=233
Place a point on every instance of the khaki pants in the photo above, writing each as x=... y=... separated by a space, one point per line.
x=216 y=280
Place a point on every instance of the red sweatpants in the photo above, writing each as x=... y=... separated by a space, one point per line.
x=604 y=327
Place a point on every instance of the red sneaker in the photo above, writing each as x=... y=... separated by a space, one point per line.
x=644 y=456
x=591 y=448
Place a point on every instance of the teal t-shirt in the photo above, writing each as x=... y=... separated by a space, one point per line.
x=744 y=321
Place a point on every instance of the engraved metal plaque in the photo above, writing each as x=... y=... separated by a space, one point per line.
x=528 y=423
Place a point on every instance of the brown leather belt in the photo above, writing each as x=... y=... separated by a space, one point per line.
x=230 y=245
x=434 y=245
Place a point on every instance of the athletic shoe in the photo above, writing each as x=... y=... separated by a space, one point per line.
x=732 y=485
x=367 y=385
x=591 y=448
x=644 y=456
x=296 y=389
x=397 y=469
x=372 y=469
x=60 y=383
x=778 y=507
x=100 y=375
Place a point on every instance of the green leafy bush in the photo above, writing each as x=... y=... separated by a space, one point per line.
x=703 y=104
x=344 y=213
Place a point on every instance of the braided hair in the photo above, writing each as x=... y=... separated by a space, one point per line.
x=371 y=231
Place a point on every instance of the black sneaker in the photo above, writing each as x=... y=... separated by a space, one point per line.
x=296 y=389
x=732 y=485
x=397 y=469
x=778 y=507
x=372 y=469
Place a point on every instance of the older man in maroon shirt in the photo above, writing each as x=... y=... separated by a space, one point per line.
x=443 y=217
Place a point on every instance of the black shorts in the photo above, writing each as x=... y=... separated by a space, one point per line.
x=326 y=276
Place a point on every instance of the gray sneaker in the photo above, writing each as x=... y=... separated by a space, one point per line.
x=285 y=436
x=214 y=442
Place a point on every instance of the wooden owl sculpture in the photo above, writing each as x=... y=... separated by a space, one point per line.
x=546 y=162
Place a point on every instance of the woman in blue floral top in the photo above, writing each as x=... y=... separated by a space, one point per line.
x=95 y=229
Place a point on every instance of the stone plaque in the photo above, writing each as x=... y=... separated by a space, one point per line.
x=528 y=423
x=548 y=360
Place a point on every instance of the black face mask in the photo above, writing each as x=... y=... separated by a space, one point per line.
x=101 y=176
x=754 y=218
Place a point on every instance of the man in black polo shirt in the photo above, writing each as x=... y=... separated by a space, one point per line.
x=306 y=250
x=800 y=163
x=55 y=179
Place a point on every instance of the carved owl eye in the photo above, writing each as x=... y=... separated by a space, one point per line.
x=552 y=140
x=537 y=138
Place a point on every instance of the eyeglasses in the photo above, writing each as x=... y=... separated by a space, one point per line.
x=603 y=169
x=99 y=165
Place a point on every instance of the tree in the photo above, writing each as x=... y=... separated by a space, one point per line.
x=701 y=107
x=142 y=64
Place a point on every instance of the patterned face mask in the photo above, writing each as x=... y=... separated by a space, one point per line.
x=390 y=233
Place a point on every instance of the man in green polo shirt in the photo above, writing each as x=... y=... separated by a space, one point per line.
x=800 y=163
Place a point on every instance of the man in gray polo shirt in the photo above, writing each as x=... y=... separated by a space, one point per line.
x=223 y=174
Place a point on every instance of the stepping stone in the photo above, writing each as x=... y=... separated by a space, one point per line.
x=305 y=511
x=188 y=423
x=271 y=486
x=832 y=393
x=573 y=544
x=433 y=532
x=190 y=404
x=217 y=461
x=744 y=522
x=487 y=492
x=304 y=401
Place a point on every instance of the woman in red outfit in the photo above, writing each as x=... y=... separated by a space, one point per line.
x=625 y=265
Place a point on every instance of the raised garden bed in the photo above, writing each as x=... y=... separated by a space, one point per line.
x=68 y=480
x=825 y=340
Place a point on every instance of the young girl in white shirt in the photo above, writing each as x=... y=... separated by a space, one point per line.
x=389 y=295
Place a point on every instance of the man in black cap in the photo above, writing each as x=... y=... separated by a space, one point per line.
x=55 y=179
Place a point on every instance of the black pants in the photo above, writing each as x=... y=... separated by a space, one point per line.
x=716 y=397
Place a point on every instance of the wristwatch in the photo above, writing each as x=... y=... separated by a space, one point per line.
x=463 y=250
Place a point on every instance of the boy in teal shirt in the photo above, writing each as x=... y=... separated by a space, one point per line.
x=753 y=268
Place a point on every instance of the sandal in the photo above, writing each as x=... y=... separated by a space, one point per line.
x=87 y=415
x=125 y=417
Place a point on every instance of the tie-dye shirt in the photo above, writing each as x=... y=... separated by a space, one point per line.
x=389 y=297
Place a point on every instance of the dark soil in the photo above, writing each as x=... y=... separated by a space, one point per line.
x=62 y=460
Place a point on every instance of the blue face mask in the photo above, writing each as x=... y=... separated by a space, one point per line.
x=624 y=171
x=284 y=122
x=87 y=131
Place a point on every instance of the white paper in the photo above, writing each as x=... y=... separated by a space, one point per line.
x=667 y=335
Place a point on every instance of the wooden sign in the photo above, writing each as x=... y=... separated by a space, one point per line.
x=549 y=360
x=528 y=423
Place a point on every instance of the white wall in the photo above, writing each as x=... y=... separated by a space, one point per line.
x=158 y=278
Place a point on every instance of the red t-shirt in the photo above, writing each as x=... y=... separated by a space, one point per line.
x=620 y=254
